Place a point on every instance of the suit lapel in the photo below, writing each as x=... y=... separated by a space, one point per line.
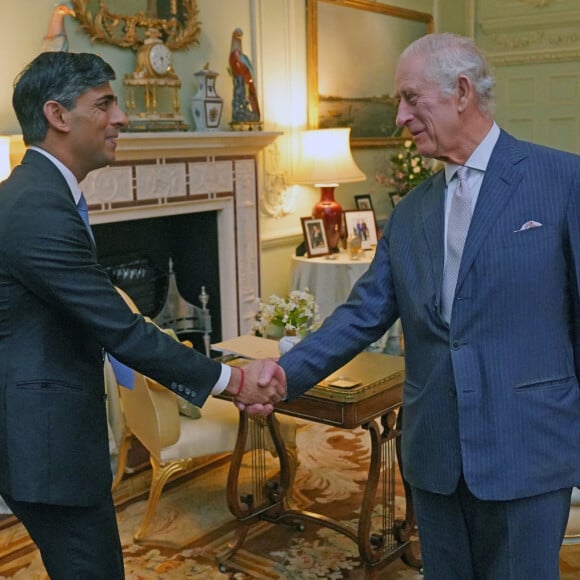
x=501 y=179
x=433 y=213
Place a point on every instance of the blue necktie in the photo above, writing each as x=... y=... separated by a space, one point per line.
x=83 y=210
x=124 y=375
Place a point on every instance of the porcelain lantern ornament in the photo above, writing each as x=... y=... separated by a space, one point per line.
x=206 y=105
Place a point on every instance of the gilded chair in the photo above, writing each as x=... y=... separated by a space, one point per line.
x=176 y=442
x=572 y=535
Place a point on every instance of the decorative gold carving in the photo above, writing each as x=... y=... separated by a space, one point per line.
x=128 y=30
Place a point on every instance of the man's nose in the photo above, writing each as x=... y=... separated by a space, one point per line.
x=120 y=118
x=403 y=114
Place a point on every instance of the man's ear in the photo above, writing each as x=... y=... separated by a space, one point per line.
x=55 y=114
x=465 y=92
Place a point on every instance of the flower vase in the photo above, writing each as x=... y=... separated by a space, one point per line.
x=287 y=342
x=274 y=332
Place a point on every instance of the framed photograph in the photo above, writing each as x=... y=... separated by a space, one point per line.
x=352 y=52
x=315 y=237
x=363 y=201
x=363 y=223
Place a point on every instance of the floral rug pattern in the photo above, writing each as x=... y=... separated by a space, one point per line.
x=192 y=525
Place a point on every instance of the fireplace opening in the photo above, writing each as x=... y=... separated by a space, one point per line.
x=137 y=255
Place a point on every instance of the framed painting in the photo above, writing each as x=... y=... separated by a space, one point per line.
x=363 y=201
x=352 y=52
x=315 y=237
x=362 y=223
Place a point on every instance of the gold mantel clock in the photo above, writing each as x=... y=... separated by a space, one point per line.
x=153 y=88
x=153 y=28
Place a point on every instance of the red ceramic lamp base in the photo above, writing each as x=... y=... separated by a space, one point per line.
x=330 y=211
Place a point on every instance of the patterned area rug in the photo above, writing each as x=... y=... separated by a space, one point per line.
x=192 y=525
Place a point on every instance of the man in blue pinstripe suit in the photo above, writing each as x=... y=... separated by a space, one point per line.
x=491 y=443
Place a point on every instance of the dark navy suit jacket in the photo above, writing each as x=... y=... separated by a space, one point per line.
x=58 y=314
x=493 y=395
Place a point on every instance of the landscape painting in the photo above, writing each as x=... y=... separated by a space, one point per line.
x=353 y=46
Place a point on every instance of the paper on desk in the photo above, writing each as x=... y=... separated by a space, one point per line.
x=343 y=382
x=249 y=346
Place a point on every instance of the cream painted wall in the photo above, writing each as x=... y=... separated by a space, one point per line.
x=22 y=33
x=534 y=47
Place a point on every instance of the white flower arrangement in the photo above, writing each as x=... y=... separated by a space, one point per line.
x=407 y=170
x=297 y=314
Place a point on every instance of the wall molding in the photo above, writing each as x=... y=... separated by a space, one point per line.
x=543 y=21
x=281 y=240
x=536 y=38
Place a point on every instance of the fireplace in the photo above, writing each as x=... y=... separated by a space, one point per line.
x=191 y=198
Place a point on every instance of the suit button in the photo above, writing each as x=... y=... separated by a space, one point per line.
x=188 y=392
x=455 y=345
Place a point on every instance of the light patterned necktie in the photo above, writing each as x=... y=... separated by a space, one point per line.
x=83 y=210
x=457 y=227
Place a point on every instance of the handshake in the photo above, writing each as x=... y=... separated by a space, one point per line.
x=258 y=386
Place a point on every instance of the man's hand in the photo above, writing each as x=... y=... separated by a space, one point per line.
x=264 y=385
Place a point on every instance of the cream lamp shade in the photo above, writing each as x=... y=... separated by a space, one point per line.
x=326 y=161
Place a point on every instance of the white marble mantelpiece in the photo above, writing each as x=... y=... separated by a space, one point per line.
x=173 y=173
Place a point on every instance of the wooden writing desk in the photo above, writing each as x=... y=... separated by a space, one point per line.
x=375 y=405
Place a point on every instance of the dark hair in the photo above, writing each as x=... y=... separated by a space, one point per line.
x=54 y=76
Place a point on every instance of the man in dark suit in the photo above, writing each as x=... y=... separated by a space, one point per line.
x=59 y=314
x=483 y=270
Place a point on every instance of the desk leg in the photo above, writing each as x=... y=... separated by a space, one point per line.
x=382 y=538
x=267 y=498
x=404 y=529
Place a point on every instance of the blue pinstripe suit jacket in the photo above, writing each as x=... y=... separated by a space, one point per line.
x=493 y=395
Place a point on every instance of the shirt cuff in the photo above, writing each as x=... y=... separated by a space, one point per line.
x=223 y=380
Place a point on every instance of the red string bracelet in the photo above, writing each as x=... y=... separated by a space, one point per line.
x=242 y=381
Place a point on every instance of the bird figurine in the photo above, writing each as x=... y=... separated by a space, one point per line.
x=245 y=106
x=55 y=39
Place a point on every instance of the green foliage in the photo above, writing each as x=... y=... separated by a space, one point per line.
x=407 y=170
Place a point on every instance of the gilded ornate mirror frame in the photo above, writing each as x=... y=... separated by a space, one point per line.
x=180 y=30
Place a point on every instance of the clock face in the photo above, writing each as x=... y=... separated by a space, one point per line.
x=160 y=58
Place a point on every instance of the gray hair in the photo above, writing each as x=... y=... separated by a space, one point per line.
x=54 y=76
x=447 y=56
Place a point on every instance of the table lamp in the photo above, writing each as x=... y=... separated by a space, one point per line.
x=326 y=161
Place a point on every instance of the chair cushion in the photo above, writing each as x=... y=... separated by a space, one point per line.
x=215 y=433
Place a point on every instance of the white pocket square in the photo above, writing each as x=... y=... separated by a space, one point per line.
x=528 y=226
